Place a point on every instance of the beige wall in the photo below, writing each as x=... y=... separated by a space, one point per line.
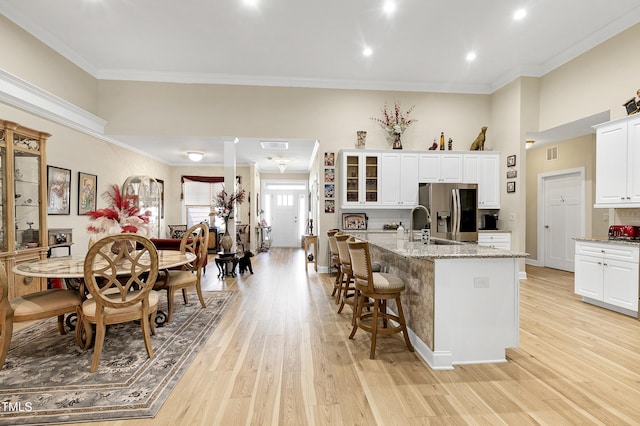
x=573 y=153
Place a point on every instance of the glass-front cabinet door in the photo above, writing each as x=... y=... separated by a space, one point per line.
x=360 y=177
x=27 y=196
x=3 y=199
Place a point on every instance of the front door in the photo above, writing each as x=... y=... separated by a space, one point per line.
x=286 y=207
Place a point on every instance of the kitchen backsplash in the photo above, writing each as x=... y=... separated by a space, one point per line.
x=626 y=217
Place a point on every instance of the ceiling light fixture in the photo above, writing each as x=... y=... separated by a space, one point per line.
x=519 y=14
x=282 y=164
x=367 y=51
x=389 y=7
x=252 y=3
x=529 y=143
x=471 y=56
x=195 y=155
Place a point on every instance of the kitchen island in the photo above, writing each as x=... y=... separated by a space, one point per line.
x=461 y=301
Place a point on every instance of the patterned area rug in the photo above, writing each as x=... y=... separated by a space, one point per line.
x=46 y=376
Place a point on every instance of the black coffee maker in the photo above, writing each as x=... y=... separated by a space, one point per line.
x=490 y=222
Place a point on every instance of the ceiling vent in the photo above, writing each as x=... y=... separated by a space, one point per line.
x=552 y=153
x=274 y=145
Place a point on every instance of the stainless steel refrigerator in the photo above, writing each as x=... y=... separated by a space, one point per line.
x=453 y=208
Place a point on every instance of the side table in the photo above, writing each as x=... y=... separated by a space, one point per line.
x=309 y=256
x=226 y=263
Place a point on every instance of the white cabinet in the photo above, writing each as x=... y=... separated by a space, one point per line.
x=398 y=179
x=484 y=169
x=501 y=240
x=441 y=167
x=608 y=273
x=618 y=163
x=360 y=183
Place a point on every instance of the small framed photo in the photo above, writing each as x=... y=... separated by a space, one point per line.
x=511 y=161
x=512 y=174
x=329 y=206
x=329 y=190
x=511 y=187
x=329 y=175
x=58 y=190
x=329 y=159
x=87 y=186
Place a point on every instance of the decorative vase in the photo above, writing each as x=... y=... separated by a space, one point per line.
x=362 y=139
x=117 y=245
x=226 y=242
x=397 y=143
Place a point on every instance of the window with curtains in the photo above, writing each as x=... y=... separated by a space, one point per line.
x=198 y=199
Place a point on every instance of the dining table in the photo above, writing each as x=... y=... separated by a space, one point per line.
x=71 y=268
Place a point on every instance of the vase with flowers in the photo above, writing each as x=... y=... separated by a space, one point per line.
x=225 y=205
x=121 y=216
x=395 y=122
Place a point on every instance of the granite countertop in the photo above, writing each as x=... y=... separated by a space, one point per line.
x=438 y=249
x=494 y=231
x=606 y=240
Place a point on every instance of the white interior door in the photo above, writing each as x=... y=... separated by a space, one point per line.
x=562 y=219
x=286 y=206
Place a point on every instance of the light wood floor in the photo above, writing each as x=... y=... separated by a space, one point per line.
x=281 y=356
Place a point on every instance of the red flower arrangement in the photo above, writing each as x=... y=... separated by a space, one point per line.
x=394 y=122
x=122 y=216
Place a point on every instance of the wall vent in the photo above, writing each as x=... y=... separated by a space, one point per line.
x=552 y=153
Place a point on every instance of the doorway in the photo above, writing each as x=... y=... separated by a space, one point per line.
x=561 y=213
x=286 y=210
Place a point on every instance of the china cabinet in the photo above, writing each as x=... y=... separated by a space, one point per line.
x=360 y=179
x=23 y=234
x=145 y=193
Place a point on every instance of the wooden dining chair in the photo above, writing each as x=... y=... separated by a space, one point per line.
x=190 y=275
x=120 y=283
x=34 y=306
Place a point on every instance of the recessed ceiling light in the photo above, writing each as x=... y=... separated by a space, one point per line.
x=471 y=56
x=367 y=51
x=519 y=14
x=389 y=7
x=252 y=3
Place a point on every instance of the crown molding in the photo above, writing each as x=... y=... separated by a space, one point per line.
x=23 y=95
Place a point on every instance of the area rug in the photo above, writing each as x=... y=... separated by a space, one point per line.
x=46 y=377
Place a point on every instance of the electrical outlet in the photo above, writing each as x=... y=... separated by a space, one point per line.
x=481 y=282
x=512 y=217
x=605 y=217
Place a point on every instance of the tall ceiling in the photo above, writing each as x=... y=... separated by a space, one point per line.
x=422 y=46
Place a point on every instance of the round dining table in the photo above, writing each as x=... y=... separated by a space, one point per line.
x=71 y=268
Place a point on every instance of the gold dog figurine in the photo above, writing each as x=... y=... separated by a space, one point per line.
x=478 y=144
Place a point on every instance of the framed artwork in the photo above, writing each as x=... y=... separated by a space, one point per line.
x=511 y=187
x=329 y=190
x=329 y=206
x=58 y=190
x=329 y=175
x=329 y=159
x=511 y=161
x=87 y=187
x=512 y=174
x=354 y=221
x=161 y=191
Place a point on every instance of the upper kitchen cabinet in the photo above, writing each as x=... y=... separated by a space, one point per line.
x=440 y=167
x=483 y=168
x=23 y=235
x=399 y=179
x=360 y=183
x=618 y=163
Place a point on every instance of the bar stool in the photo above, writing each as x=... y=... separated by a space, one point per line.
x=334 y=258
x=346 y=286
x=377 y=286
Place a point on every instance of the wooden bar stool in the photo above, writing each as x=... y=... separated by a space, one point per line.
x=346 y=286
x=334 y=258
x=377 y=286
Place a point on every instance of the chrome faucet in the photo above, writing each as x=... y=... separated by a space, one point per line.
x=418 y=207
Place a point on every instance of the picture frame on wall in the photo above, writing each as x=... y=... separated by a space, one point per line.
x=512 y=174
x=511 y=187
x=87 y=189
x=58 y=190
x=329 y=159
x=329 y=206
x=329 y=190
x=511 y=161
